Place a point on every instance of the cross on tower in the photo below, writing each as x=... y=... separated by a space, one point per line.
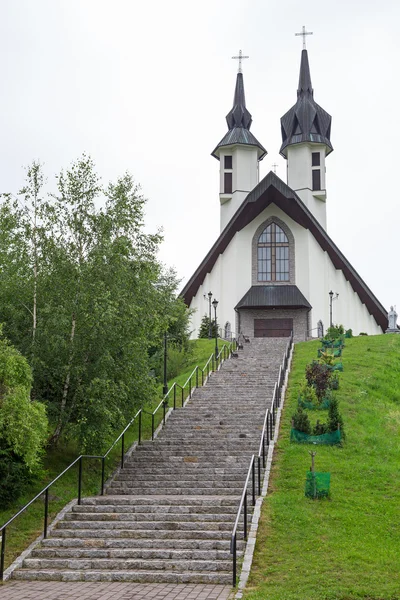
x=239 y=58
x=304 y=33
x=274 y=166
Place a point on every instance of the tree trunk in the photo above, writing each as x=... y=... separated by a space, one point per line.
x=61 y=421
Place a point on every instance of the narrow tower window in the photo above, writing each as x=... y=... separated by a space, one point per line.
x=316 y=159
x=316 y=179
x=273 y=255
x=228 y=183
x=228 y=162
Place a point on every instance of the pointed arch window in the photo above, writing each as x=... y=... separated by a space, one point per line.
x=273 y=255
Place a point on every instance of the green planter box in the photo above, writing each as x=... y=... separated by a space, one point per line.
x=317 y=485
x=326 y=439
x=311 y=406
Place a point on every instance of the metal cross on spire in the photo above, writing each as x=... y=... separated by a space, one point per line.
x=239 y=58
x=274 y=166
x=304 y=33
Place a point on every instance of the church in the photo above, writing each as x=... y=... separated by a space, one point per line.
x=274 y=269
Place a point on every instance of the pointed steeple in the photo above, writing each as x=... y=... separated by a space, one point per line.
x=305 y=76
x=239 y=122
x=306 y=121
x=239 y=116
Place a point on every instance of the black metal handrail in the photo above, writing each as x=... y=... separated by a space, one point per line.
x=227 y=352
x=266 y=437
x=243 y=504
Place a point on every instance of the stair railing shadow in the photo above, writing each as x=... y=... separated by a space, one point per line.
x=266 y=438
x=185 y=392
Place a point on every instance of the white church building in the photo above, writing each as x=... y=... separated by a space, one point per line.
x=273 y=265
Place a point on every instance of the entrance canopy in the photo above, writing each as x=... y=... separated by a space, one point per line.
x=273 y=296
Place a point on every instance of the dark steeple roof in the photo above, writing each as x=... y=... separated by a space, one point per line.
x=306 y=121
x=239 y=121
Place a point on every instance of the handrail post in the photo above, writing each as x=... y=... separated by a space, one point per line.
x=190 y=387
x=263 y=446
x=197 y=376
x=164 y=409
x=183 y=396
x=245 y=516
x=103 y=465
x=234 y=562
x=259 y=474
x=140 y=428
x=46 y=512
x=79 y=480
x=202 y=377
x=253 y=482
x=174 y=396
x=3 y=551
x=212 y=362
x=152 y=426
x=122 y=450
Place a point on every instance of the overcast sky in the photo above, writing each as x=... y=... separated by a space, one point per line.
x=145 y=86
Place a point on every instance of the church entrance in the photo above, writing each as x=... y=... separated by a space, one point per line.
x=273 y=327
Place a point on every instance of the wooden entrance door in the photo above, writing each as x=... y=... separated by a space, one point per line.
x=272 y=327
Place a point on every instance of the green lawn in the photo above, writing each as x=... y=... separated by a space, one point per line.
x=346 y=547
x=29 y=525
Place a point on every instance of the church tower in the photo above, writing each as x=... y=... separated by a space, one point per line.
x=239 y=153
x=306 y=130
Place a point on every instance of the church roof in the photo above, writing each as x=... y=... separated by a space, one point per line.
x=273 y=296
x=272 y=190
x=306 y=121
x=239 y=122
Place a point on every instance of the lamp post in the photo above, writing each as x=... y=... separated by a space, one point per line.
x=331 y=299
x=209 y=315
x=215 y=304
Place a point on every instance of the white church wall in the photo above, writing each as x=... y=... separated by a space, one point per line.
x=347 y=308
x=315 y=276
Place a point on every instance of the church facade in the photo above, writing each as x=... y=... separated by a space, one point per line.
x=274 y=265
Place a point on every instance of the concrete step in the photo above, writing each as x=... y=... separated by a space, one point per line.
x=130 y=553
x=129 y=564
x=123 y=575
x=123 y=517
x=137 y=544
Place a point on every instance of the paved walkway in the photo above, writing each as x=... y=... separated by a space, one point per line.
x=48 y=590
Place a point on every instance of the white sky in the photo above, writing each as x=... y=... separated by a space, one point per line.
x=145 y=87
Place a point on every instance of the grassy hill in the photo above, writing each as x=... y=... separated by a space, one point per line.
x=346 y=547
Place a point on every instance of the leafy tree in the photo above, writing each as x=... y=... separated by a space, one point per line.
x=23 y=424
x=319 y=376
x=84 y=277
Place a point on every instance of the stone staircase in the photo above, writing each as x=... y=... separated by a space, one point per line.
x=168 y=515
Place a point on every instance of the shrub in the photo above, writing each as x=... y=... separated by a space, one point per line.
x=320 y=428
x=318 y=375
x=308 y=393
x=301 y=422
x=205 y=327
x=348 y=333
x=334 y=332
x=363 y=333
x=335 y=419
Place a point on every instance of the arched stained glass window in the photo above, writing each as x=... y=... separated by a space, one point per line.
x=273 y=254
